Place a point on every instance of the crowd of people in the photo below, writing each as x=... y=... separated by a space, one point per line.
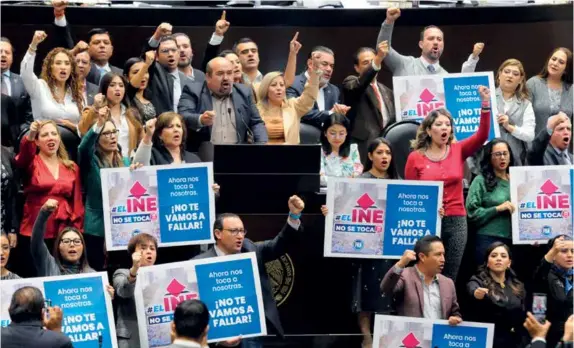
x=160 y=110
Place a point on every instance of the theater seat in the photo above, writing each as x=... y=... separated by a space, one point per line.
x=70 y=139
x=400 y=135
x=309 y=134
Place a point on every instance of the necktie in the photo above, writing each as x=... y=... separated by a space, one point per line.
x=431 y=69
x=5 y=85
x=176 y=92
x=380 y=100
x=566 y=158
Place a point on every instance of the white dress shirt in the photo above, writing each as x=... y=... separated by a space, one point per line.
x=176 y=88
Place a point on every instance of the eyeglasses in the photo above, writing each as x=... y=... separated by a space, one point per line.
x=501 y=154
x=68 y=241
x=109 y=134
x=236 y=231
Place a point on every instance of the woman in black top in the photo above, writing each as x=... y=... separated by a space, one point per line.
x=498 y=297
x=554 y=278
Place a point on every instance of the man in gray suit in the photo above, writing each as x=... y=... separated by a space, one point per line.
x=190 y=325
x=410 y=285
x=551 y=145
x=432 y=46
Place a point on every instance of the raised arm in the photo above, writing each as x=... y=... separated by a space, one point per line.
x=40 y=254
x=535 y=155
x=143 y=153
x=470 y=65
x=136 y=80
x=393 y=60
x=61 y=28
x=30 y=80
x=87 y=148
x=393 y=281
x=473 y=143
x=291 y=68
x=212 y=48
x=274 y=248
x=28 y=148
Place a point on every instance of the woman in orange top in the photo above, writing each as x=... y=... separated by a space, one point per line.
x=49 y=174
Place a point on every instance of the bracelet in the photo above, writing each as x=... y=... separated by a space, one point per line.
x=30 y=48
x=294 y=216
x=133 y=276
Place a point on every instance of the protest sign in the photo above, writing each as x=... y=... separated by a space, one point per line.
x=416 y=96
x=542 y=196
x=229 y=286
x=86 y=306
x=406 y=332
x=379 y=218
x=173 y=203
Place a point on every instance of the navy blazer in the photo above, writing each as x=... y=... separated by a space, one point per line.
x=31 y=334
x=314 y=117
x=542 y=153
x=266 y=251
x=196 y=99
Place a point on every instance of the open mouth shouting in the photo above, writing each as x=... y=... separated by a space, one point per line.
x=51 y=146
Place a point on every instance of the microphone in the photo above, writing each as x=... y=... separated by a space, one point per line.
x=250 y=137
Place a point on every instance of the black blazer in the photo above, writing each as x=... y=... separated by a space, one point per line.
x=314 y=117
x=365 y=115
x=10 y=124
x=31 y=334
x=196 y=99
x=160 y=155
x=542 y=153
x=64 y=39
x=22 y=108
x=11 y=223
x=266 y=251
x=91 y=91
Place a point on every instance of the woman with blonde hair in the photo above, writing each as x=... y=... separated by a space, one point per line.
x=282 y=116
x=437 y=157
x=515 y=113
x=57 y=95
x=48 y=174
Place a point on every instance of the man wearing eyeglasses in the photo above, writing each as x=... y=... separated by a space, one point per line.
x=230 y=239
x=165 y=80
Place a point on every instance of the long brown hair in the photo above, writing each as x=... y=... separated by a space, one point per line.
x=521 y=91
x=494 y=289
x=56 y=250
x=62 y=153
x=117 y=159
x=423 y=140
x=567 y=75
x=73 y=82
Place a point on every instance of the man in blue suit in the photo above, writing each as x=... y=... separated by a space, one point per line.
x=220 y=111
x=328 y=97
x=230 y=239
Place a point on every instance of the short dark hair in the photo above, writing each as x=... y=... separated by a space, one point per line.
x=98 y=31
x=332 y=120
x=7 y=40
x=242 y=41
x=218 y=224
x=191 y=317
x=427 y=28
x=128 y=65
x=164 y=39
x=224 y=53
x=27 y=304
x=138 y=239
x=423 y=245
x=320 y=49
x=553 y=240
x=361 y=50
x=176 y=35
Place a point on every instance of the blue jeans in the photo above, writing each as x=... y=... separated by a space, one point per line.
x=251 y=342
x=483 y=242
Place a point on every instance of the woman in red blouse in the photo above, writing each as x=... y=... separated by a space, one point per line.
x=438 y=157
x=48 y=174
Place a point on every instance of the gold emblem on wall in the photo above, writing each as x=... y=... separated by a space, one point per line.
x=282 y=276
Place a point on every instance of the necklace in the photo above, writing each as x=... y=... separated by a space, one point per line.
x=435 y=159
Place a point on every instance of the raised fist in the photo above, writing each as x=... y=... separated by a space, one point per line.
x=393 y=13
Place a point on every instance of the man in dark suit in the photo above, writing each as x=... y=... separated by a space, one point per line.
x=538 y=332
x=219 y=110
x=19 y=114
x=166 y=81
x=328 y=96
x=230 y=239
x=27 y=313
x=410 y=285
x=100 y=46
x=551 y=145
x=190 y=325
x=185 y=58
x=371 y=102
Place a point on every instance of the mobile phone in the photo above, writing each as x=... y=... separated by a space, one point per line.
x=539 y=307
x=47 y=305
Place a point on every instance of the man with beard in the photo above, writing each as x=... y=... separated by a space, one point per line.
x=220 y=111
x=551 y=145
x=16 y=106
x=166 y=81
x=371 y=102
x=410 y=285
x=432 y=45
x=328 y=97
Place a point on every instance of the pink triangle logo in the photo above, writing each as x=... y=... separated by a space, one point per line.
x=138 y=190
